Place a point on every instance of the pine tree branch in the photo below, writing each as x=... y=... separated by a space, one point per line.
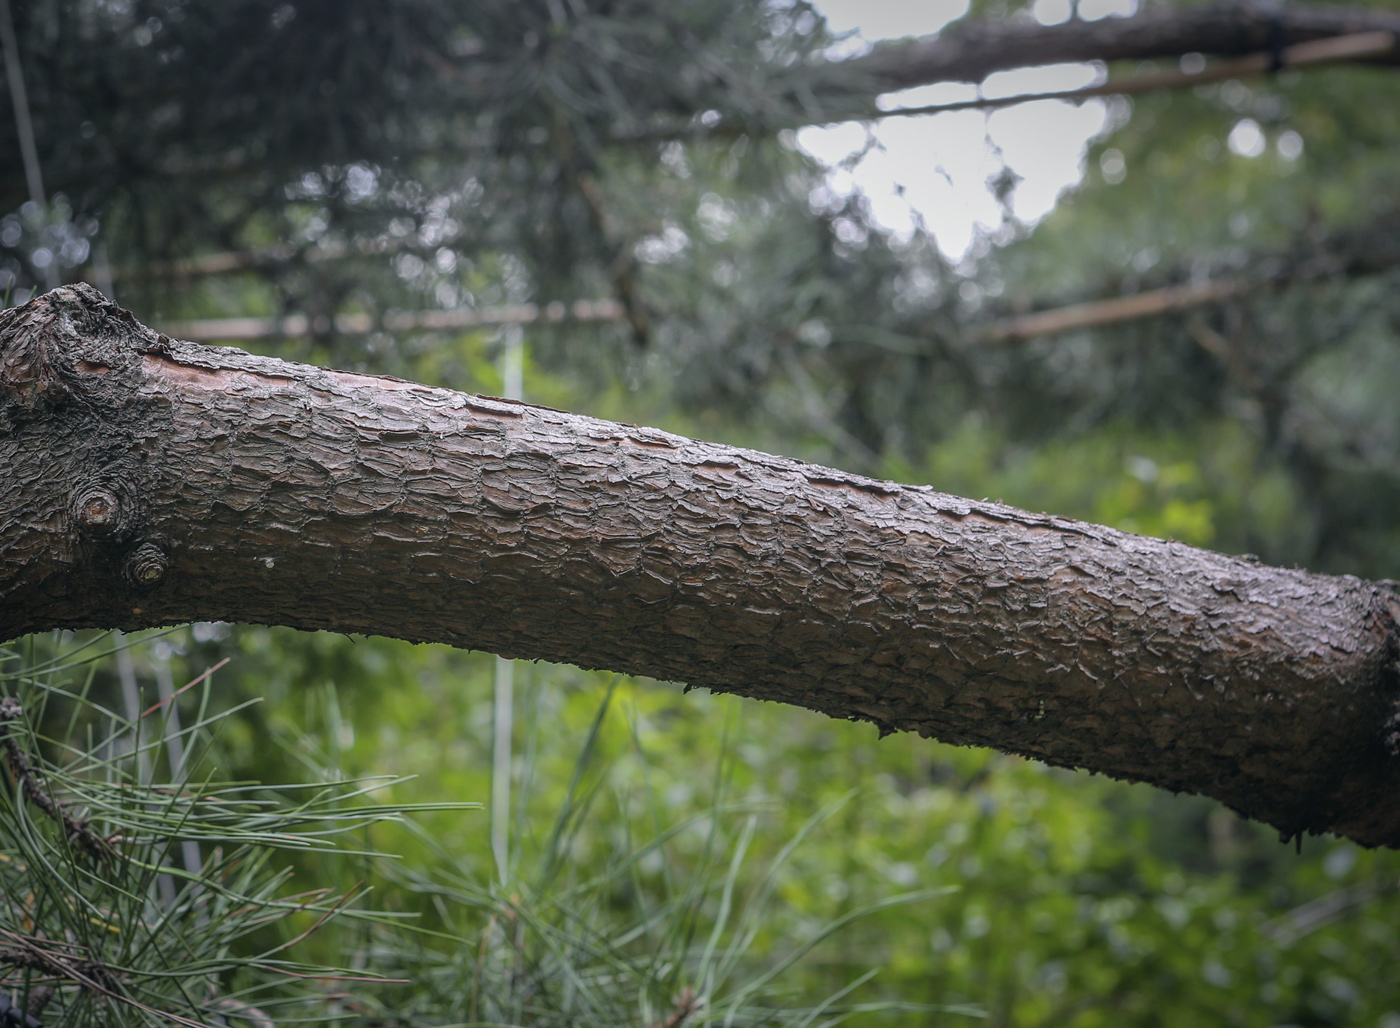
x=1351 y=252
x=77 y=829
x=1118 y=309
x=157 y=482
x=1336 y=50
x=970 y=51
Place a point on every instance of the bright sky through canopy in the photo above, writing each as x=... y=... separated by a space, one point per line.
x=938 y=167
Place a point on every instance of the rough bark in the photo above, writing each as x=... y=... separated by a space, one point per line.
x=149 y=481
x=970 y=51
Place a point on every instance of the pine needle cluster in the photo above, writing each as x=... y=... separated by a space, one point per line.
x=137 y=890
x=140 y=887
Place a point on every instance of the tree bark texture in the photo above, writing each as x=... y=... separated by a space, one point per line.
x=148 y=481
x=970 y=51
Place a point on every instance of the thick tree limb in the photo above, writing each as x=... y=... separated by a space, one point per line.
x=1320 y=52
x=150 y=481
x=970 y=51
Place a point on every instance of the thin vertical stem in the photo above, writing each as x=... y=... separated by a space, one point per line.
x=131 y=699
x=29 y=152
x=102 y=272
x=174 y=743
x=512 y=362
x=513 y=387
x=24 y=125
x=500 y=765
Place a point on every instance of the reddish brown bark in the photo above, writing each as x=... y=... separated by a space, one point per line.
x=149 y=481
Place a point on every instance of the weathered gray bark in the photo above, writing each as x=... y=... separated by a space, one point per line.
x=149 y=481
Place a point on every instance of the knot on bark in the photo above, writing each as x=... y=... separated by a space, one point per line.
x=105 y=505
x=147 y=565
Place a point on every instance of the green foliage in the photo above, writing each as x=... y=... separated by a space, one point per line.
x=649 y=824
x=382 y=156
x=130 y=900
x=651 y=930
x=141 y=887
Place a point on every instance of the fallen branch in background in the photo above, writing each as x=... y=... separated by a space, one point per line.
x=232 y=262
x=970 y=51
x=459 y=318
x=1356 y=251
x=1370 y=249
x=1107 y=312
x=1338 y=50
x=1324 y=910
x=1272 y=40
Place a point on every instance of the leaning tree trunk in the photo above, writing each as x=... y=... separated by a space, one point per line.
x=149 y=481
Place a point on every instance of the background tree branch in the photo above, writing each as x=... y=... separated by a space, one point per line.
x=970 y=51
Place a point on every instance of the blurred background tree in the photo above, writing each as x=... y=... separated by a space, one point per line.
x=405 y=187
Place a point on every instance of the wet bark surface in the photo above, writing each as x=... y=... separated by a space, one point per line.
x=148 y=481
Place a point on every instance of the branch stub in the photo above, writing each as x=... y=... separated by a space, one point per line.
x=147 y=565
